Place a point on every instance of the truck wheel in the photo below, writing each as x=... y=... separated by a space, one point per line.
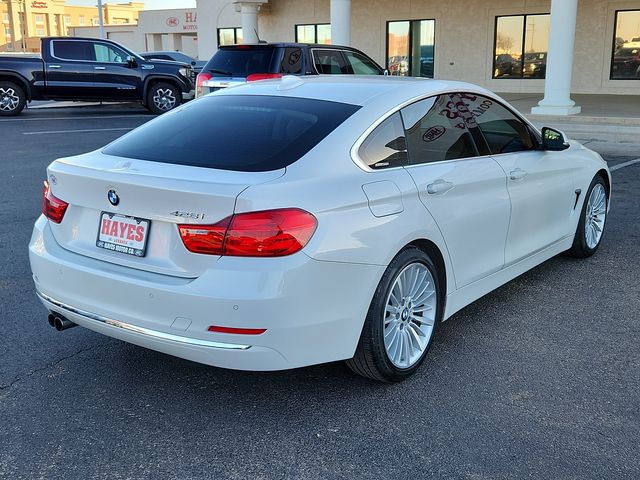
x=163 y=97
x=12 y=98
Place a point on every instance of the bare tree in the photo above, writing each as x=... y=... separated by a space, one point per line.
x=504 y=43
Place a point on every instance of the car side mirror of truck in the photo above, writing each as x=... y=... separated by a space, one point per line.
x=553 y=139
x=131 y=61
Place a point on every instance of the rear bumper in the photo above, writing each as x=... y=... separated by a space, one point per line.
x=313 y=311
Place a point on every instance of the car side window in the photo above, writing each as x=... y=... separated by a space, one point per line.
x=436 y=131
x=158 y=57
x=330 y=62
x=291 y=61
x=503 y=130
x=109 y=53
x=360 y=64
x=385 y=146
x=72 y=50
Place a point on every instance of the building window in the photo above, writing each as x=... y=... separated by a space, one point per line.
x=38 y=18
x=314 y=33
x=95 y=21
x=520 y=46
x=7 y=32
x=67 y=20
x=411 y=47
x=5 y=17
x=81 y=20
x=40 y=32
x=229 y=36
x=625 y=63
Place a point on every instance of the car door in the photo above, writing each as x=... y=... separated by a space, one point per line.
x=69 y=70
x=465 y=193
x=114 y=77
x=540 y=183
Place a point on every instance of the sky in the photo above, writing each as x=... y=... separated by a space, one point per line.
x=148 y=4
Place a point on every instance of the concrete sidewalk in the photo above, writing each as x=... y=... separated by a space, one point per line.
x=613 y=119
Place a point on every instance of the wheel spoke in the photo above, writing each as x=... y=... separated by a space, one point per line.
x=420 y=321
x=424 y=296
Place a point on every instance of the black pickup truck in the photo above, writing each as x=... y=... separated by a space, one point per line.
x=88 y=69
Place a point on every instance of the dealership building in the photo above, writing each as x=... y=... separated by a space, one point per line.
x=25 y=21
x=518 y=46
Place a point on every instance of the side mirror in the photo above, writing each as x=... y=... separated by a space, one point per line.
x=131 y=61
x=386 y=72
x=553 y=139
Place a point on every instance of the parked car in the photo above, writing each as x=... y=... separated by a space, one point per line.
x=90 y=69
x=237 y=64
x=535 y=65
x=398 y=65
x=626 y=62
x=175 y=57
x=506 y=65
x=305 y=220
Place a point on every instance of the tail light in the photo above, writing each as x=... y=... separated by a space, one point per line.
x=254 y=77
x=52 y=207
x=270 y=233
x=200 y=79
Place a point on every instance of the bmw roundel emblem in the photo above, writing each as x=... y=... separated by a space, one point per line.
x=113 y=197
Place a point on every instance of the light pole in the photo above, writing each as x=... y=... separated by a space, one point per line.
x=100 y=20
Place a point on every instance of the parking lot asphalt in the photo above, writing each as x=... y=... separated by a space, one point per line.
x=539 y=379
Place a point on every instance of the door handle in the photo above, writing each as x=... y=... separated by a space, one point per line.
x=517 y=174
x=54 y=66
x=439 y=186
x=99 y=68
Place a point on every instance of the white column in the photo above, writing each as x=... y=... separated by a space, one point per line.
x=557 y=86
x=341 y=22
x=174 y=42
x=249 y=19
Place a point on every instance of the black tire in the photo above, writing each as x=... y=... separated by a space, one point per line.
x=580 y=248
x=12 y=98
x=163 y=97
x=371 y=359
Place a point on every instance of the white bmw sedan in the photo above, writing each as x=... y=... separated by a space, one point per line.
x=305 y=220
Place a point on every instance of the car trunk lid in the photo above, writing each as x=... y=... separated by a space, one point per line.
x=162 y=194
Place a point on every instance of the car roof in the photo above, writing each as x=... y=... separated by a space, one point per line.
x=289 y=44
x=362 y=90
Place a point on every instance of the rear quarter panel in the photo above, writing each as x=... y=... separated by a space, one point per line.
x=327 y=183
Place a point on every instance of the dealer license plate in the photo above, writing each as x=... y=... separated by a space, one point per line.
x=123 y=234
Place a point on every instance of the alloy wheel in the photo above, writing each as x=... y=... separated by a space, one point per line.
x=595 y=212
x=9 y=99
x=164 y=99
x=409 y=316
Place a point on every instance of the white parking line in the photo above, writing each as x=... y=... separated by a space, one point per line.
x=625 y=164
x=102 y=117
x=78 y=131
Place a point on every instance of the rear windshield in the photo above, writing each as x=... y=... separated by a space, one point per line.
x=235 y=132
x=241 y=61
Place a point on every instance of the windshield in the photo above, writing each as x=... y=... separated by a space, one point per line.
x=246 y=133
